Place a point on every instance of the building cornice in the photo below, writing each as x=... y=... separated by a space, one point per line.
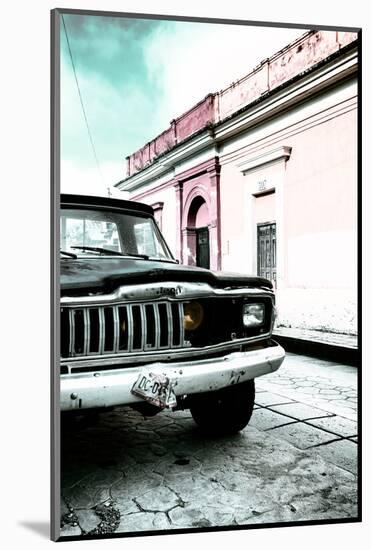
x=166 y=165
x=336 y=68
x=279 y=153
x=292 y=93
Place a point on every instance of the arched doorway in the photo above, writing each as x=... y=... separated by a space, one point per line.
x=198 y=207
x=198 y=239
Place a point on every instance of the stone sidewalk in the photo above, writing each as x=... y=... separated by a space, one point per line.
x=318 y=383
x=295 y=461
x=330 y=338
x=316 y=409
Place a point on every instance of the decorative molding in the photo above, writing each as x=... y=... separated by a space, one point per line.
x=167 y=163
x=310 y=118
x=157 y=205
x=297 y=58
x=321 y=78
x=280 y=153
x=292 y=93
x=194 y=192
x=157 y=212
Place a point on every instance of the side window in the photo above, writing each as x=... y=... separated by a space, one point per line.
x=157 y=210
x=72 y=232
x=85 y=232
x=111 y=237
x=145 y=238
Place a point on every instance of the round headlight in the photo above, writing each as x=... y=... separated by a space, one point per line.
x=193 y=315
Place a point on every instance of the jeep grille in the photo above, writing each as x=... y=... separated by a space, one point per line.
x=121 y=328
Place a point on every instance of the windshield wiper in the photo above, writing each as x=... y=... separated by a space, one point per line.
x=125 y=254
x=69 y=254
x=144 y=256
x=167 y=261
x=98 y=249
x=110 y=252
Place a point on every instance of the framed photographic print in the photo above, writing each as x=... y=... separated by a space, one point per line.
x=206 y=314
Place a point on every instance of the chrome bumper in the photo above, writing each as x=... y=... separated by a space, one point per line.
x=113 y=387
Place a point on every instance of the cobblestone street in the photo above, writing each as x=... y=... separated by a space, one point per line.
x=295 y=461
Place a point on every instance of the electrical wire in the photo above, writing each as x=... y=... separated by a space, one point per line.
x=83 y=108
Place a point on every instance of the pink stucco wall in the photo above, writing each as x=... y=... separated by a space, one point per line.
x=314 y=207
x=202 y=216
x=292 y=60
x=188 y=123
x=295 y=58
x=321 y=204
x=196 y=118
x=190 y=200
x=315 y=200
x=265 y=208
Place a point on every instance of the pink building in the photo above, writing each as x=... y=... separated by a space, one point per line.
x=262 y=178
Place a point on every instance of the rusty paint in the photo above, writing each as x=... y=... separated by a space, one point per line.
x=234 y=378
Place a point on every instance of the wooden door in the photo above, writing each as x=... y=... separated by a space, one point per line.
x=202 y=247
x=267 y=251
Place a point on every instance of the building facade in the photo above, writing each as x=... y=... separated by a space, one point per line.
x=261 y=178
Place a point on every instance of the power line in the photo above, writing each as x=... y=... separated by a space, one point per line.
x=83 y=108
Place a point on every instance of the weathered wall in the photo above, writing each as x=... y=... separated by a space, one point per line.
x=188 y=123
x=294 y=59
x=306 y=155
x=315 y=210
x=264 y=208
x=297 y=57
x=320 y=228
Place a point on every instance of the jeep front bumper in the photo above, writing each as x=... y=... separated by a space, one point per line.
x=113 y=387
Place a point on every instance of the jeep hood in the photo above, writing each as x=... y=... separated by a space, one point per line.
x=103 y=275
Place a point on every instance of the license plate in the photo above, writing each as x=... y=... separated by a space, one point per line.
x=157 y=389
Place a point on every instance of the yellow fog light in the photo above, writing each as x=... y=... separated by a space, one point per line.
x=193 y=315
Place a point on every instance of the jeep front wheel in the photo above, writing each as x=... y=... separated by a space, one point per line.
x=225 y=411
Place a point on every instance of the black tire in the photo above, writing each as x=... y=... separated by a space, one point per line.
x=226 y=411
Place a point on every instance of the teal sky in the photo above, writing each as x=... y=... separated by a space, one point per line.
x=137 y=75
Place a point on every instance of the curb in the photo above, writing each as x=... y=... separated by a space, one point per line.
x=320 y=350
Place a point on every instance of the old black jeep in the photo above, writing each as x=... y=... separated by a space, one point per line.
x=139 y=329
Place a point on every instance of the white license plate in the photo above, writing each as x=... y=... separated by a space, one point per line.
x=157 y=389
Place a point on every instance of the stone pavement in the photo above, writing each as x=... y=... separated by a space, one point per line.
x=295 y=461
x=321 y=384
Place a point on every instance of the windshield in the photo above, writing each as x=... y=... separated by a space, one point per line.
x=101 y=231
